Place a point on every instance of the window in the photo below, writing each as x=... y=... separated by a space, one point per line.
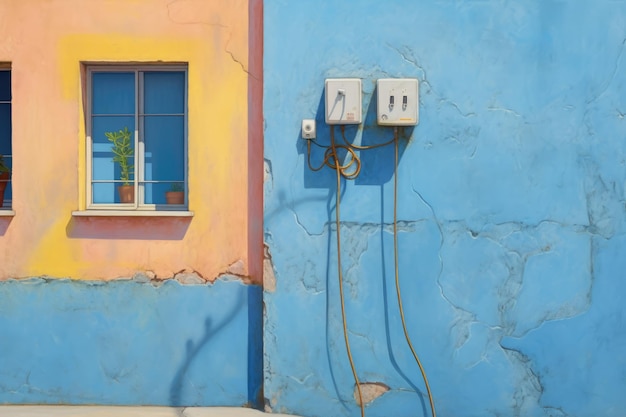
x=6 y=158
x=137 y=137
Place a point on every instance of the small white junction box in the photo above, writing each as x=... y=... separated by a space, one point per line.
x=343 y=101
x=398 y=101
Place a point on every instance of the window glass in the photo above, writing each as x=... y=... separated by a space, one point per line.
x=5 y=85
x=151 y=105
x=164 y=148
x=5 y=136
x=5 y=129
x=103 y=167
x=113 y=109
x=164 y=155
x=113 y=93
x=164 y=92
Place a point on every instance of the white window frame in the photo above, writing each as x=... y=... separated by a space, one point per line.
x=139 y=158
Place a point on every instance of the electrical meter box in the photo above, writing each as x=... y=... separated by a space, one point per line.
x=343 y=101
x=398 y=101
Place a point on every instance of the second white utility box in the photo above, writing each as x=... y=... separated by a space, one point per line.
x=343 y=101
x=398 y=101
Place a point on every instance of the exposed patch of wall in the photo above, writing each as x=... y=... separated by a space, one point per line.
x=511 y=209
x=369 y=391
x=269 y=278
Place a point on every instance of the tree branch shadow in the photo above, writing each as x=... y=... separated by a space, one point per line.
x=193 y=349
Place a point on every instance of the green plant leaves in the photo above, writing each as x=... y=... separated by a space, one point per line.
x=123 y=152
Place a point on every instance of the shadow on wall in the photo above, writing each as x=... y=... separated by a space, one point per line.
x=211 y=330
x=4 y=224
x=385 y=279
x=129 y=343
x=144 y=228
x=377 y=164
x=331 y=274
x=255 y=347
x=377 y=167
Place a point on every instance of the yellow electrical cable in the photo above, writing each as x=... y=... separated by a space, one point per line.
x=397 y=274
x=340 y=273
x=331 y=160
x=362 y=148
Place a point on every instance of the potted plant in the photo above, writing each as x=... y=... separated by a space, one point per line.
x=123 y=154
x=176 y=194
x=5 y=175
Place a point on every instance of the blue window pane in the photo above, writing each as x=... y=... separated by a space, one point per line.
x=155 y=192
x=162 y=131
x=7 y=160
x=8 y=194
x=5 y=128
x=8 y=191
x=164 y=148
x=164 y=92
x=5 y=85
x=105 y=193
x=103 y=167
x=113 y=92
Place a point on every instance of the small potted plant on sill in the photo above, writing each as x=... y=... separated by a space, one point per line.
x=5 y=175
x=176 y=194
x=122 y=155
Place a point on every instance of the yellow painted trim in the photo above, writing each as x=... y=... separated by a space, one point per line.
x=77 y=50
x=82 y=144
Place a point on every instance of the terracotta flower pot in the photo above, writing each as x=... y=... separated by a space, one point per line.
x=175 y=197
x=127 y=193
x=4 y=181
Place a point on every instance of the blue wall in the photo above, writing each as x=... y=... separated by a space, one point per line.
x=129 y=342
x=511 y=200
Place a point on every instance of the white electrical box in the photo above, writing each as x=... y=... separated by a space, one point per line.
x=308 y=129
x=343 y=101
x=398 y=101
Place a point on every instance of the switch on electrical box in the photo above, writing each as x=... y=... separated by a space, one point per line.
x=343 y=101
x=398 y=101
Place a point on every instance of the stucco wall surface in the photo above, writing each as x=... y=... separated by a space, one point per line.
x=46 y=42
x=510 y=206
x=89 y=312
x=129 y=342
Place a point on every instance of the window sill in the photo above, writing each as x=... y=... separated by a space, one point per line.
x=7 y=212
x=132 y=213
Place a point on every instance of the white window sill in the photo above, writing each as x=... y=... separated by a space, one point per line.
x=132 y=213
x=6 y=212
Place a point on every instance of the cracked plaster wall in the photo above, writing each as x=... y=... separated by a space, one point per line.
x=185 y=330
x=511 y=201
x=129 y=342
x=46 y=41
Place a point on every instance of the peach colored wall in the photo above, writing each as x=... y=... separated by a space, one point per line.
x=45 y=41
